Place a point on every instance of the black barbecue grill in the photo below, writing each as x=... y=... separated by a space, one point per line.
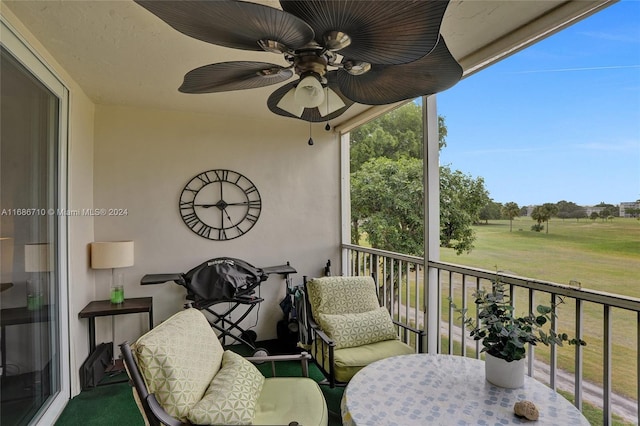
x=224 y=280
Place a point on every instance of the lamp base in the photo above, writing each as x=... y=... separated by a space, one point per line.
x=117 y=295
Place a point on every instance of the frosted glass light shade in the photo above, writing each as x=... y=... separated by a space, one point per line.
x=332 y=103
x=309 y=92
x=36 y=257
x=111 y=254
x=289 y=103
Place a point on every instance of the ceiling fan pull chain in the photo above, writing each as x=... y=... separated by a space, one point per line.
x=310 y=142
x=327 y=127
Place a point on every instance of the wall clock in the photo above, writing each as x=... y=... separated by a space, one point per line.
x=220 y=204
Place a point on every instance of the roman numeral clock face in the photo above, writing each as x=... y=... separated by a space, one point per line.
x=220 y=204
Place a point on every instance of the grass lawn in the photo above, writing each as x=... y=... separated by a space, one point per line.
x=599 y=255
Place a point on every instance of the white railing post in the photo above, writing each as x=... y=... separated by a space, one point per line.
x=431 y=184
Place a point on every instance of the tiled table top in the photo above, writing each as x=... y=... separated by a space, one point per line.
x=426 y=389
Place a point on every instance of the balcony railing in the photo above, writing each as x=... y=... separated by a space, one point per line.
x=612 y=381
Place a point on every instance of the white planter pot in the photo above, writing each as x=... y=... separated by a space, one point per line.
x=505 y=374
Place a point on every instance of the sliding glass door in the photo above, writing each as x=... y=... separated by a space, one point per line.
x=34 y=360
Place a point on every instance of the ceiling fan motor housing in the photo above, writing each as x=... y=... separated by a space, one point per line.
x=310 y=62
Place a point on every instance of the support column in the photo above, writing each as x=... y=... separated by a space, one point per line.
x=345 y=201
x=431 y=181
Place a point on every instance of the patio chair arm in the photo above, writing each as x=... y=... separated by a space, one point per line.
x=420 y=334
x=303 y=357
x=318 y=332
x=408 y=327
x=294 y=357
x=160 y=414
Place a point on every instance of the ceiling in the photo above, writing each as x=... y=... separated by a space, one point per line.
x=120 y=54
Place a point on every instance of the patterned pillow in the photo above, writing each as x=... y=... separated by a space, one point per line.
x=342 y=295
x=232 y=395
x=351 y=330
x=178 y=360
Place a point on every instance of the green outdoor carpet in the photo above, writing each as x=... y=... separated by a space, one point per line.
x=113 y=404
x=102 y=406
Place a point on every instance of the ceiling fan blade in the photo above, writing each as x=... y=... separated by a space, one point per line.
x=231 y=23
x=386 y=84
x=381 y=32
x=322 y=113
x=237 y=75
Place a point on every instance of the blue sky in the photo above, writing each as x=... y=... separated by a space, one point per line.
x=559 y=120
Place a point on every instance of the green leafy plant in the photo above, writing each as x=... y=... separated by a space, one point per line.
x=504 y=335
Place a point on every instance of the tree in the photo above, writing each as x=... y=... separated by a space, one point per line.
x=393 y=135
x=511 y=210
x=605 y=214
x=388 y=198
x=461 y=199
x=610 y=208
x=568 y=209
x=491 y=211
x=386 y=173
x=543 y=213
x=633 y=212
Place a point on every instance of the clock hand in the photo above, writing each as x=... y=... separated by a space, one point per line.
x=228 y=217
x=220 y=204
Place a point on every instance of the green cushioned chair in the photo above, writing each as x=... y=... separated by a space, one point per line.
x=181 y=375
x=349 y=329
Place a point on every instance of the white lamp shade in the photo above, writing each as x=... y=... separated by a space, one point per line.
x=309 y=92
x=36 y=258
x=111 y=254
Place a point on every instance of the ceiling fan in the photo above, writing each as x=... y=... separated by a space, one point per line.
x=344 y=51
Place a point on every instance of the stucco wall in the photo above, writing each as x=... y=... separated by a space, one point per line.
x=143 y=159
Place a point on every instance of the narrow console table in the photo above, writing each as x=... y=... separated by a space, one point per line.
x=104 y=308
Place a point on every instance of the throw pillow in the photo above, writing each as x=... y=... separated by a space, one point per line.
x=232 y=395
x=349 y=330
x=178 y=359
x=342 y=295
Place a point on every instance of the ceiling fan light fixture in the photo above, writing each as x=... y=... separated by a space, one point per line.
x=289 y=104
x=336 y=40
x=332 y=102
x=309 y=92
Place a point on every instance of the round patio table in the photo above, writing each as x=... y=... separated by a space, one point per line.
x=424 y=389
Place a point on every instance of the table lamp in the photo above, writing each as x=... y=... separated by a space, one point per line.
x=37 y=262
x=112 y=255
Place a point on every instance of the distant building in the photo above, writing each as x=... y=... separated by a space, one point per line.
x=627 y=206
x=592 y=209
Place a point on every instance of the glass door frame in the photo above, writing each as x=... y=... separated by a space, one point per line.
x=31 y=60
